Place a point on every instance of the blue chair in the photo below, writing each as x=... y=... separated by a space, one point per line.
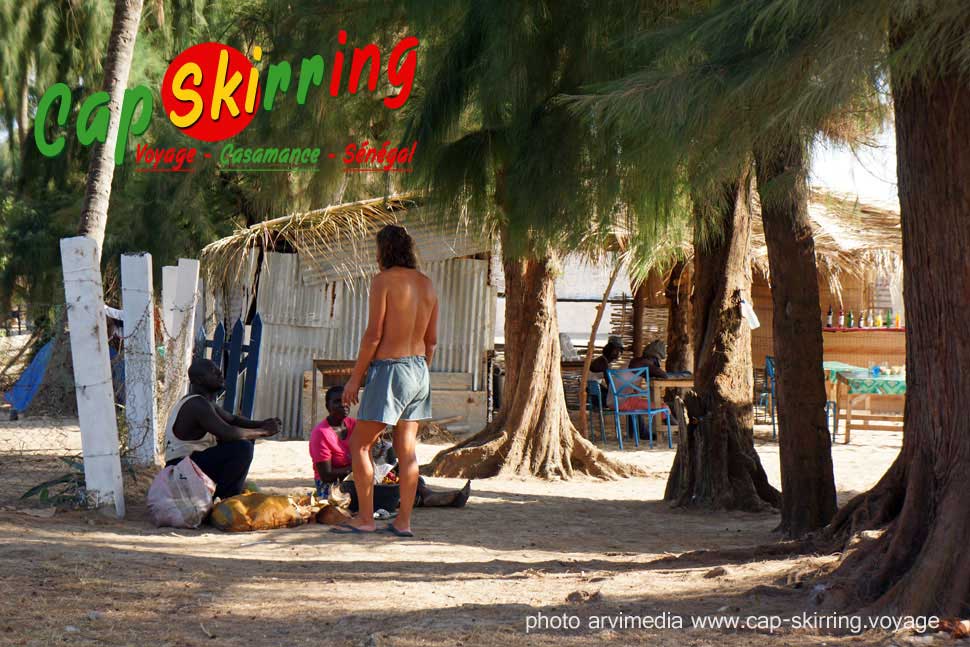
x=767 y=399
x=594 y=404
x=625 y=384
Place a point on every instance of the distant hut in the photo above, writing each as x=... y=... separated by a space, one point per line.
x=858 y=249
x=308 y=275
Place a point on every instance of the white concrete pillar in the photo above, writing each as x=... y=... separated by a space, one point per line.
x=92 y=374
x=140 y=376
x=186 y=299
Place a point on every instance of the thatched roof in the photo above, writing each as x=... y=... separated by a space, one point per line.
x=851 y=237
x=337 y=242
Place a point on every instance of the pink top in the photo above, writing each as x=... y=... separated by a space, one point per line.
x=326 y=445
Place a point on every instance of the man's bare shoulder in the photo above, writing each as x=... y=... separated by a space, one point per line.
x=397 y=274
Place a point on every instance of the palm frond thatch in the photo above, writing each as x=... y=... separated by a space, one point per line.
x=851 y=238
x=308 y=233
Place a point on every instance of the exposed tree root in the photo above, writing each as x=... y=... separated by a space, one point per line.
x=495 y=452
x=532 y=434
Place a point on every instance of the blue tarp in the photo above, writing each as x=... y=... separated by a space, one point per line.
x=20 y=395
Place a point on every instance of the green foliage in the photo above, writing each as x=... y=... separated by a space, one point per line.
x=499 y=148
x=66 y=489
x=495 y=143
x=29 y=254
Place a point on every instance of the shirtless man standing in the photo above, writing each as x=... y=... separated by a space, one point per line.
x=395 y=352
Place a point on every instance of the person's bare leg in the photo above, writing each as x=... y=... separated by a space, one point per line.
x=405 y=440
x=361 y=441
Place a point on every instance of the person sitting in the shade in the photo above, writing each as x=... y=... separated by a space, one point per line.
x=330 y=454
x=611 y=353
x=651 y=357
x=220 y=443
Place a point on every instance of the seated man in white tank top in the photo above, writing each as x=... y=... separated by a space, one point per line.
x=220 y=443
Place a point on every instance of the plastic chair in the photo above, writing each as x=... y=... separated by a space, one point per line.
x=769 y=393
x=625 y=386
x=594 y=403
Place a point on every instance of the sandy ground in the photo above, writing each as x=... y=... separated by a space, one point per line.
x=471 y=577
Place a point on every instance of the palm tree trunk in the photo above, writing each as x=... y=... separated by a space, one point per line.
x=805 y=448
x=94 y=212
x=716 y=465
x=532 y=434
x=117 y=67
x=11 y=139
x=920 y=565
x=23 y=114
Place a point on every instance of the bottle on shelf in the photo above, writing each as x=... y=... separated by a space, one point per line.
x=848 y=320
x=898 y=321
x=878 y=320
x=828 y=319
x=862 y=320
x=888 y=321
x=869 y=319
x=841 y=318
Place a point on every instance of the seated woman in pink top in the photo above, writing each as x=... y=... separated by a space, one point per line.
x=330 y=443
x=330 y=453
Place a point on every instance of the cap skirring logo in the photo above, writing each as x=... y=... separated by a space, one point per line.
x=212 y=91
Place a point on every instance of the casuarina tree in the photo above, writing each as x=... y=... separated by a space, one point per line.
x=500 y=150
x=917 y=53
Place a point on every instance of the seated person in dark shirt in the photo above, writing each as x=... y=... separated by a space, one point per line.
x=611 y=353
x=220 y=443
x=651 y=357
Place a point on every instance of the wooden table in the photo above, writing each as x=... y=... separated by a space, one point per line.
x=333 y=372
x=658 y=384
x=859 y=385
x=832 y=370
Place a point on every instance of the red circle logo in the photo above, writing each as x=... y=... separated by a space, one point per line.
x=207 y=92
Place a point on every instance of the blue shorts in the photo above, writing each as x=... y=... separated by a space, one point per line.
x=396 y=389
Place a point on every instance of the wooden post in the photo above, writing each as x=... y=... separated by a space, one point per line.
x=590 y=349
x=92 y=374
x=639 y=305
x=140 y=378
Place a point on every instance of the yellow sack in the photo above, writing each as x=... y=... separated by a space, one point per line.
x=256 y=511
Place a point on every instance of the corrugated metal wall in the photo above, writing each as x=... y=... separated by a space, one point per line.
x=302 y=322
x=434 y=242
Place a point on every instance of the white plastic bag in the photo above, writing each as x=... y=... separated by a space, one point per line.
x=180 y=496
x=749 y=315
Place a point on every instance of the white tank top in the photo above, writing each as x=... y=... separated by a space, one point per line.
x=176 y=447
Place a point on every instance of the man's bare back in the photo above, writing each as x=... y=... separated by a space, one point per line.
x=410 y=313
